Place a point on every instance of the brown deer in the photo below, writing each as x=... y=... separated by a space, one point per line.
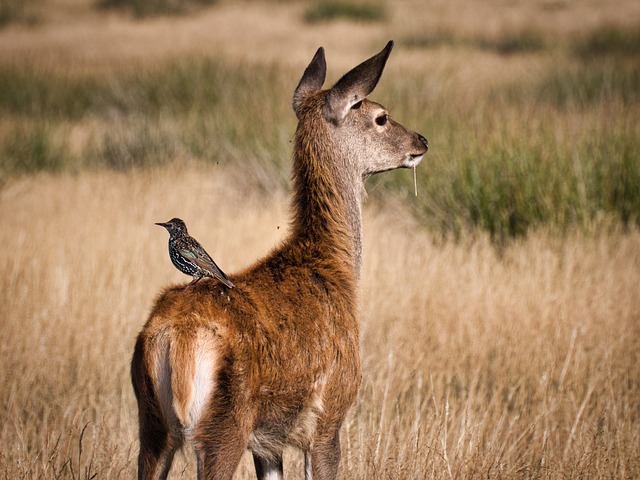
x=275 y=361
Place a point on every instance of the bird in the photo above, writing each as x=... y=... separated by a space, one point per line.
x=189 y=257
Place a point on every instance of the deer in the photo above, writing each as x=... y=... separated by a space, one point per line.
x=274 y=363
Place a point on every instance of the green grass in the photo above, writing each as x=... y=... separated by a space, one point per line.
x=18 y=11
x=328 y=10
x=33 y=147
x=179 y=87
x=559 y=152
x=149 y=8
x=194 y=108
x=522 y=41
x=34 y=93
x=609 y=40
x=589 y=84
x=510 y=187
x=509 y=43
x=602 y=41
x=137 y=143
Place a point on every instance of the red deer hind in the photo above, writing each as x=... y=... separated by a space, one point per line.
x=274 y=362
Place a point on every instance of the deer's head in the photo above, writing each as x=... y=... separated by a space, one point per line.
x=343 y=121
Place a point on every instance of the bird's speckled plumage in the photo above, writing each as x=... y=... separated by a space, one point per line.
x=188 y=256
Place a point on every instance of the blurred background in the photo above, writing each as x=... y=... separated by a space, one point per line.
x=500 y=318
x=531 y=107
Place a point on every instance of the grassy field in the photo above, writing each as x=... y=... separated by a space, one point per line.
x=524 y=365
x=500 y=320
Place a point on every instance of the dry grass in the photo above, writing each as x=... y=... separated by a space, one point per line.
x=524 y=365
x=73 y=35
x=518 y=363
x=485 y=366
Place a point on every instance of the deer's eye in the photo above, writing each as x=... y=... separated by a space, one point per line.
x=382 y=119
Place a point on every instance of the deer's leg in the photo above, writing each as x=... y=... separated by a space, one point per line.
x=155 y=467
x=323 y=458
x=217 y=460
x=157 y=449
x=267 y=469
x=219 y=446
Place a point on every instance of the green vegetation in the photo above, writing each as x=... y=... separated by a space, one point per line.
x=148 y=8
x=607 y=40
x=509 y=186
x=610 y=40
x=193 y=108
x=17 y=11
x=33 y=147
x=355 y=11
x=589 y=84
x=561 y=150
x=523 y=41
x=509 y=43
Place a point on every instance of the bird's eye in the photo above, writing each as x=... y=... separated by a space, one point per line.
x=382 y=119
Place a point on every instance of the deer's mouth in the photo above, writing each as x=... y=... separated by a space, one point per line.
x=412 y=160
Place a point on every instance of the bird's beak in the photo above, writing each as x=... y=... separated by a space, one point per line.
x=162 y=224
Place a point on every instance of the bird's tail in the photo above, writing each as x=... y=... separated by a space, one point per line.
x=224 y=279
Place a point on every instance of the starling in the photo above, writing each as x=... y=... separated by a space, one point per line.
x=188 y=256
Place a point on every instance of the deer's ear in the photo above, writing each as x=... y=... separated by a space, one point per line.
x=312 y=79
x=355 y=85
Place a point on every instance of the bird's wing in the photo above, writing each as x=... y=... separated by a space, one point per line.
x=201 y=258
x=197 y=255
x=187 y=253
x=206 y=264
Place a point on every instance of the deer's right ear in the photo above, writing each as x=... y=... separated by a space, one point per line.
x=312 y=79
x=356 y=85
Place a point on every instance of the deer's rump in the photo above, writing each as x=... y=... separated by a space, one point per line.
x=226 y=358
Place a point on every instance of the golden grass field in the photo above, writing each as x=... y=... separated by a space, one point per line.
x=474 y=365
x=479 y=362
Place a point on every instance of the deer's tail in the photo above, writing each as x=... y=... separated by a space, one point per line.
x=183 y=376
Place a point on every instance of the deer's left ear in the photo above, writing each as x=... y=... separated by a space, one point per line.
x=355 y=86
x=312 y=79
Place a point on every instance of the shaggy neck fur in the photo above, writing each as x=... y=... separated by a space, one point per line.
x=327 y=198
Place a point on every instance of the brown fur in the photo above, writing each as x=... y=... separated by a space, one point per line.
x=280 y=352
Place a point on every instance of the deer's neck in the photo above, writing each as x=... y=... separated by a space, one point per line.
x=327 y=206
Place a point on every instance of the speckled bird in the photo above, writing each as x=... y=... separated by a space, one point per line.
x=189 y=257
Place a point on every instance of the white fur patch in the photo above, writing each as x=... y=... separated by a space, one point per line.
x=201 y=386
x=202 y=381
x=272 y=474
x=412 y=161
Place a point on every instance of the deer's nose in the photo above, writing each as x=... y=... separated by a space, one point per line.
x=424 y=141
